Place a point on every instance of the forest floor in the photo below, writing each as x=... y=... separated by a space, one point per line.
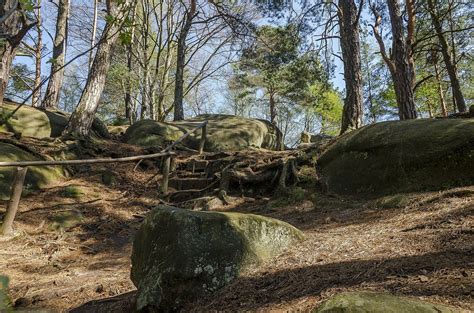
x=75 y=238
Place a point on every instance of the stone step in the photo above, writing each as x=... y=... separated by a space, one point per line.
x=179 y=183
x=197 y=165
x=186 y=174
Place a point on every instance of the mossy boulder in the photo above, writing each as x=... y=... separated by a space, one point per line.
x=33 y=122
x=179 y=255
x=400 y=156
x=224 y=133
x=5 y=302
x=36 y=177
x=363 y=302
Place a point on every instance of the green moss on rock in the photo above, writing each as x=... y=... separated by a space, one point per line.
x=363 y=302
x=401 y=156
x=33 y=122
x=224 y=133
x=5 y=302
x=180 y=254
x=36 y=177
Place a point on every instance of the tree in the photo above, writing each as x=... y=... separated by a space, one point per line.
x=14 y=24
x=81 y=119
x=350 y=46
x=38 y=49
x=180 y=62
x=55 y=83
x=432 y=7
x=400 y=61
x=266 y=64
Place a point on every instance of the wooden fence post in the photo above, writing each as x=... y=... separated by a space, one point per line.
x=203 y=139
x=15 y=195
x=165 y=170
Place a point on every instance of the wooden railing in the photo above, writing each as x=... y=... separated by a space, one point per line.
x=22 y=168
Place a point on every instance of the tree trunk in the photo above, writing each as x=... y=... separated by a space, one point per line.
x=404 y=75
x=128 y=93
x=81 y=119
x=55 y=83
x=350 y=46
x=444 y=111
x=36 y=97
x=180 y=63
x=448 y=61
x=273 y=110
x=94 y=32
x=13 y=28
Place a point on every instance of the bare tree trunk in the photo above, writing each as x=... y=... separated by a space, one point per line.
x=404 y=78
x=36 y=97
x=13 y=27
x=400 y=62
x=94 y=32
x=81 y=119
x=55 y=83
x=180 y=63
x=128 y=93
x=448 y=61
x=350 y=46
x=444 y=111
x=273 y=110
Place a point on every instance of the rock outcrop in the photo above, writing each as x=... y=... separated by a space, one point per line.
x=179 y=255
x=400 y=156
x=33 y=122
x=363 y=302
x=36 y=177
x=224 y=133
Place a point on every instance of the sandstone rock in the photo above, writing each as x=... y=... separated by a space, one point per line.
x=363 y=302
x=36 y=177
x=179 y=254
x=33 y=122
x=400 y=156
x=224 y=133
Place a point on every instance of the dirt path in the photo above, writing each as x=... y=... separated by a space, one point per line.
x=423 y=248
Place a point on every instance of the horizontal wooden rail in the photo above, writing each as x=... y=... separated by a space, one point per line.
x=180 y=139
x=86 y=161
x=202 y=125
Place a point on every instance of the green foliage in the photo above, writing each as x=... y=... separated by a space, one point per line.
x=27 y=5
x=327 y=104
x=275 y=68
x=269 y=63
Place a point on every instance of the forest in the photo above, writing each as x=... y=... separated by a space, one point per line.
x=236 y=155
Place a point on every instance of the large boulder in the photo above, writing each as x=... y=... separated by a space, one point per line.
x=179 y=255
x=36 y=177
x=33 y=122
x=224 y=133
x=363 y=302
x=400 y=156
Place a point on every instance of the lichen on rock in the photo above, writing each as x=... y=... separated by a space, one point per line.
x=224 y=133
x=179 y=254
